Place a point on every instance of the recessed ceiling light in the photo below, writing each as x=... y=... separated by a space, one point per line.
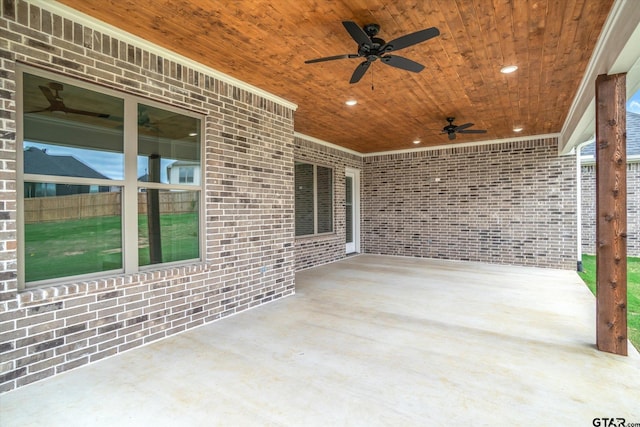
x=517 y=129
x=193 y=133
x=508 y=69
x=417 y=141
x=351 y=102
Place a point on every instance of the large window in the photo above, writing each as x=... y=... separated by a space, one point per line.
x=95 y=188
x=314 y=199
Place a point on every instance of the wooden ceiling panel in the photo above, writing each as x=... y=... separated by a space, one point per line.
x=265 y=43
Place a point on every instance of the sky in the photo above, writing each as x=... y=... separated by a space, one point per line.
x=633 y=103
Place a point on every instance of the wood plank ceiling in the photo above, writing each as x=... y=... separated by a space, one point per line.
x=265 y=43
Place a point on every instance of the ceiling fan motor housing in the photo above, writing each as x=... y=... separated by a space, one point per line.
x=371 y=29
x=450 y=128
x=372 y=51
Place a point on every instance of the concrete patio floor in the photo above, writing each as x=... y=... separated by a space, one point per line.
x=370 y=340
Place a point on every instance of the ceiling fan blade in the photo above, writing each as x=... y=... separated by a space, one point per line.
x=473 y=131
x=55 y=104
x=402 y=63
x=411 y=39
x=452 y=136
x=38 y=111
x=86 y=113
x=462 y=127
x=331 y=58
x=359 y=72
x=49 y=95
x=357 y=34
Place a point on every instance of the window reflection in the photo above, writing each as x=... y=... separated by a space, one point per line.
x=74 y=183
x=324 y=183
x=304 y=199
x=172 y=232
x=71 y=131
x=313 y=199
x=169 y=154
x=168 y=147
x=71 y=230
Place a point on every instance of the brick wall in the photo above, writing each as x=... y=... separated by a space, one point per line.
x=588 y=205
x=508 y=203
x=248 y=195
x=588 y=179
x=318 y=250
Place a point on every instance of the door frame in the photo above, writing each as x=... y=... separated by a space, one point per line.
x=354 y=247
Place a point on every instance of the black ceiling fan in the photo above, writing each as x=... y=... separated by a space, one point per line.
x=372 y=48
x=452 y=129
x=56 y=104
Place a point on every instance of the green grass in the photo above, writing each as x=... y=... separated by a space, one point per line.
x=73 y=247
x=633 y=292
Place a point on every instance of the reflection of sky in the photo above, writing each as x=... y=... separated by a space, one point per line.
x=107 y=163
x=634 y=103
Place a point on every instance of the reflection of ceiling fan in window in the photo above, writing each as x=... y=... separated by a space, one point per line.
x=56 y=104
x=145 y=122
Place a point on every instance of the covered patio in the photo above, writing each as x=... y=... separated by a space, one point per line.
x=369 y=340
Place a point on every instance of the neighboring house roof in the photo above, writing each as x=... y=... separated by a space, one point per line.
x=37 y=161
x=633 y=137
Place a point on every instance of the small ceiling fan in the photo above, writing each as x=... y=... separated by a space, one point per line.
x=452 y=129
x=372 y=48
x=56 y=104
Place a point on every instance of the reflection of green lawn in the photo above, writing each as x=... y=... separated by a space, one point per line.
x=633 y=292
x=69 y=248
x=179 y=237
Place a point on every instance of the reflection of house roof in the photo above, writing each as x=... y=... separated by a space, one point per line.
x=144 y=178
x=633 y=137
x=37 y=161
x=183 y=163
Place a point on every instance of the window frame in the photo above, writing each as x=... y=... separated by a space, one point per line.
x=315 y=199
x=129 y=184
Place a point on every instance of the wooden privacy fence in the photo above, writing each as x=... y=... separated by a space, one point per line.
x=79 y=206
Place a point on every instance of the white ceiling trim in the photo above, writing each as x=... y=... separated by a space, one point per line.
x=325 y=143
x=466 y=144
x=430 y=148
x=617 y=51
x=86 y=20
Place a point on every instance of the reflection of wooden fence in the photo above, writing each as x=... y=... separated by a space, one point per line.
x=171 y=202
x=78 y=206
